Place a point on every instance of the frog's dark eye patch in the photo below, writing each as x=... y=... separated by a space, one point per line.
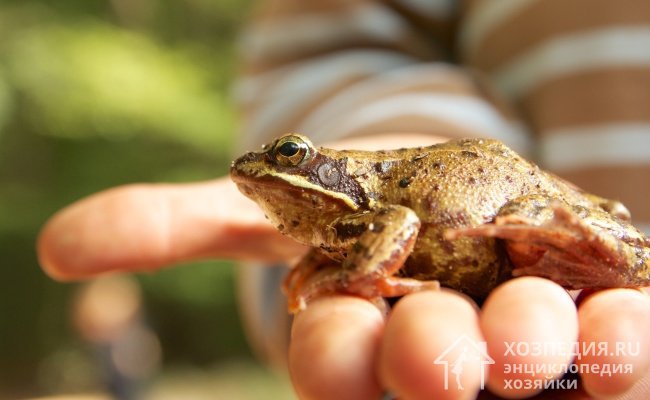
x=291 y=150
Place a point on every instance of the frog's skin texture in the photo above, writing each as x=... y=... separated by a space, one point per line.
x=466 y=214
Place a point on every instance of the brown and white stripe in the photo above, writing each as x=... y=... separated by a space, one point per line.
x=312 y=74
x=579 y=70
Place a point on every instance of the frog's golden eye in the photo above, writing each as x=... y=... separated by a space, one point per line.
x=290 y=151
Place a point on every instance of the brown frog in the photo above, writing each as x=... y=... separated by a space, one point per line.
x=466 y=214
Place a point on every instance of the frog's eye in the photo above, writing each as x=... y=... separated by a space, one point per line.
x=290 y=151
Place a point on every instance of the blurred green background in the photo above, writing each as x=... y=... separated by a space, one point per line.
x=95 y=94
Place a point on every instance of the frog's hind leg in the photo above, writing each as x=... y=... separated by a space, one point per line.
x=546 y=238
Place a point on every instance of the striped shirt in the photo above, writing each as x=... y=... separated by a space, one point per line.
x=566 y=83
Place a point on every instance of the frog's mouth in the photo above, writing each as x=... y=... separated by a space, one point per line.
x=286 y=183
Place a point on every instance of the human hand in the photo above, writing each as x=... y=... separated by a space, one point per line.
x=342 y=346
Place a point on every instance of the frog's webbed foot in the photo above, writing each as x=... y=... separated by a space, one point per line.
x=369 y=267
x=551 y=240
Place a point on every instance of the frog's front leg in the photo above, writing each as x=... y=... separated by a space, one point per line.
x=573 y=246
x=378 y=243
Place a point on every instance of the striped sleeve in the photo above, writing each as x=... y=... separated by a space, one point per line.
x=333 y=69
x=579 y=70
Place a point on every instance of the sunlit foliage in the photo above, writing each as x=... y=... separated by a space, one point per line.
x=95 y=94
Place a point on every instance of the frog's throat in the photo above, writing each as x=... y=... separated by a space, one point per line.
x=301 y=183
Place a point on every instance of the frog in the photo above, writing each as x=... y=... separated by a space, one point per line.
x=466 y=214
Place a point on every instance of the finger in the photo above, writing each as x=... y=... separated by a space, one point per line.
x=140 y=227
x=528 y=322
x=614 y=332
x=333 y=349
x=430 y=340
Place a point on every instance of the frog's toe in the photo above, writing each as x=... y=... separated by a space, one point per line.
x=318 y=282
x=296 y=303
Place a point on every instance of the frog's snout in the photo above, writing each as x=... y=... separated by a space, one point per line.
x=245 y=164
x=246 y=159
